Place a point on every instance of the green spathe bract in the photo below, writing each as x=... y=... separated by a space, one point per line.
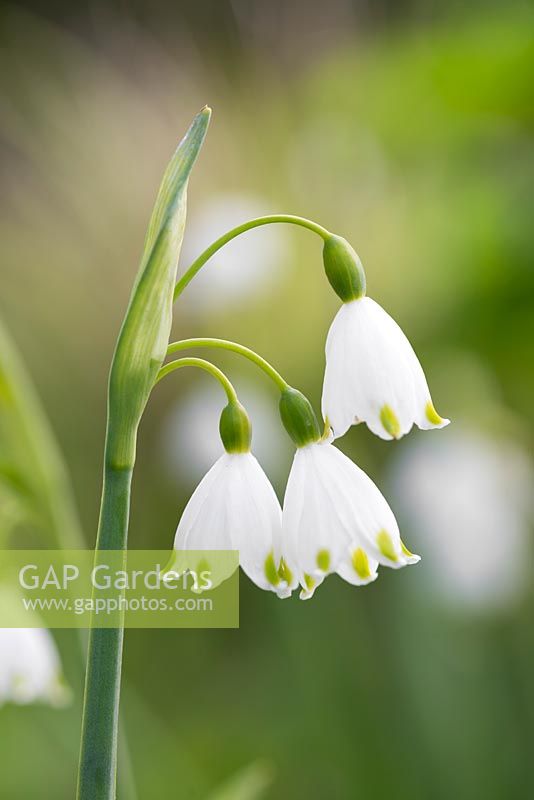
x=343 y=268
x=299 y=417
x=144 y=335
x=235 y=428
x=140 y=351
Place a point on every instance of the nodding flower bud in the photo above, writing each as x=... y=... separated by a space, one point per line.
x=235 y=428
x=299 y=417
x=343 y=269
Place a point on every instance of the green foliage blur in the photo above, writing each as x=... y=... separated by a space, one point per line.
x=411 y=134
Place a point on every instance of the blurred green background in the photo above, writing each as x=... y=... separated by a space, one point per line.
x=408 y=128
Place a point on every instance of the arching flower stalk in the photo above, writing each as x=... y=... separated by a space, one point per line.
x=334 y=519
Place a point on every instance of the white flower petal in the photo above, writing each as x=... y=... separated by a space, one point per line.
x=255 y=519
x=357 y=568
x=337 y=406
x=315 y=534
x=235 y=508
x=309 y=585
x=203 y=525
x=363 y=507
x=373 y=375
x=336 y=520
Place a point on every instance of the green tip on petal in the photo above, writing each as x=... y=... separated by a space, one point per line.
x=271 y=572
x=285 y=573
x=385 y=545
x=432 y=415
x=360 y=562
x=327 y=430
x=201 y=566
x=309 y=581
x=390 y=422
x=323 y=560
x=405 y=550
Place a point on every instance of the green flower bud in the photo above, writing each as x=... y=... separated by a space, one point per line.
x=299 y=417
x=235 y=428
x=343 y=269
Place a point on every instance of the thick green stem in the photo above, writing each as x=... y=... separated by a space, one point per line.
x=98 y=758
x=245 y=226
x=235 y=347
x=138 y=356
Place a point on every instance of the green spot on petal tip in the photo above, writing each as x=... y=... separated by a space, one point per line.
x=405 y=550
x=326 y=430
x=385 y=545
x=271 y=572
x=360 y=562
x=309 y=581
x=323 y=560
x=432 y=415
x=285 y=573
x=389 y=420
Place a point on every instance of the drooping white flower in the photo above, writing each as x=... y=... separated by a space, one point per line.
x=30 y=669
x=335 y=520
x=235 y=508
x=373 y=375
x=468 y=500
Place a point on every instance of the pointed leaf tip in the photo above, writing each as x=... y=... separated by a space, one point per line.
x=144 y=335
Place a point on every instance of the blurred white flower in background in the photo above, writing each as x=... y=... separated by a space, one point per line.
x=467 y=500
x=30 y=668
x=192 y=427
x=246 y=266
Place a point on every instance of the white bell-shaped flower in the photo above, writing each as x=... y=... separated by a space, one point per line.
x=373 y=375
x=335 y=520
x=235 y=507
x=30 y=669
